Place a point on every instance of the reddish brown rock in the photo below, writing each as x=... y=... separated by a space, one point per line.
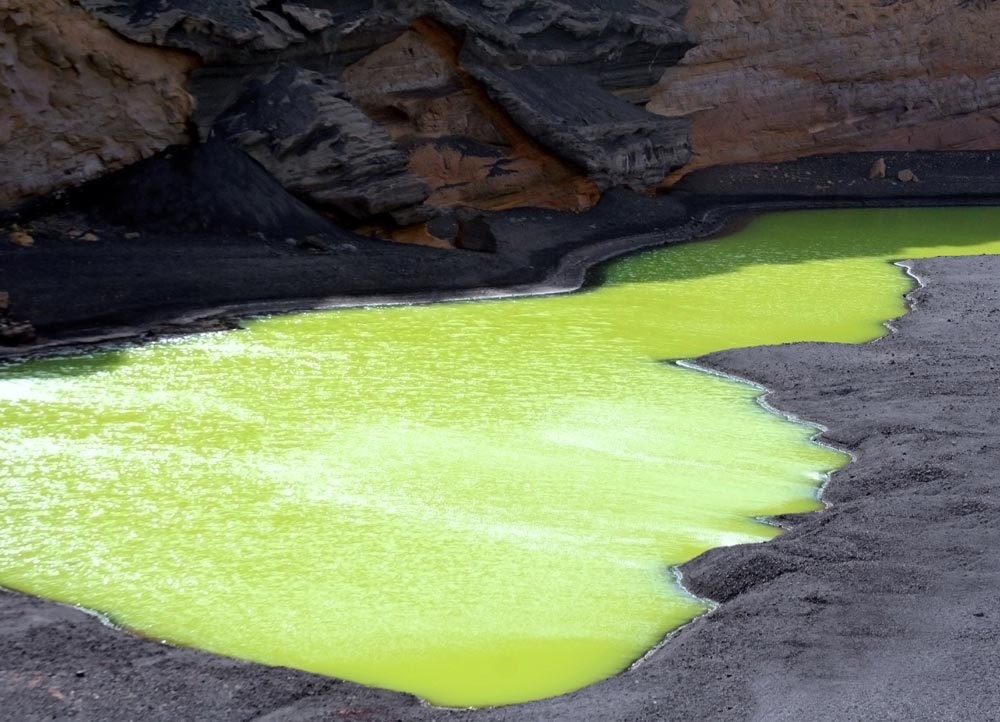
x=76 y=100
x=412 y=90
x=461 y=143
x=774 y=80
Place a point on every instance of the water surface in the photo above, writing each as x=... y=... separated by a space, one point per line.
x=478 y=503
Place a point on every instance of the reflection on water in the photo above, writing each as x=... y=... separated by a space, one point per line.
x=477 y=502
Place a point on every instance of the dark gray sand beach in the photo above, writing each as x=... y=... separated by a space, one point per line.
x=881 y=607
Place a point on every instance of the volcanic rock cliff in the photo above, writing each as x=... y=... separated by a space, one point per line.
x=387 y=114
x=771 y=80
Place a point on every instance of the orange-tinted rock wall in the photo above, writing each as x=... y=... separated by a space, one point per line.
x=77 y=100
x=772 y=80
x=460 y=142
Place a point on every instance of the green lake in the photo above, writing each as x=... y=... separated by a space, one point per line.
x=479 y=503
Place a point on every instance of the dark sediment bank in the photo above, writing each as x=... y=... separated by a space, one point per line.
x=879 y=607
x=139 y=281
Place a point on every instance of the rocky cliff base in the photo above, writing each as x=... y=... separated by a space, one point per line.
x=383 y=116
x=175 y=238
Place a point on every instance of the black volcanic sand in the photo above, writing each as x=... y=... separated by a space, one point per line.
x=132 y=280
x=147 y=278
x=881 y=607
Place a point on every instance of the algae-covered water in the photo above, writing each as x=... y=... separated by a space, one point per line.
x=478 y=503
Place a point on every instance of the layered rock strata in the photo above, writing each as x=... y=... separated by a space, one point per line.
x=617 y=143
x=383 y=114
x=389 y=113
x=772 y=80
x=300 y=126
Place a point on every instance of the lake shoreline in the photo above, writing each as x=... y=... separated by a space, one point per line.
x=136 y=285
x=766 y=652
x=570 y=272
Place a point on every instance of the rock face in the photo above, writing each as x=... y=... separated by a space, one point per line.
x=773 y=80
x=467 y=149
x=392 y=111
x=627 y=44
x=12 y=332
x=76 y=100
x=299 y=125
x=617 y=143
x=386 y=114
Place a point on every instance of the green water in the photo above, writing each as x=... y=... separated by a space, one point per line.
x=478 y=503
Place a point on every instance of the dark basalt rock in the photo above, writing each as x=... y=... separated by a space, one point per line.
x=298 y=124
x=625 y=48
x=563 y=32
x=248 y=31
x=467 y=228
x=566 y=71
x=16 y=333
x=206 y=187
x=13 y=332
x=568 y=112
x=445 y=226
x=543 y=32
x=476 y=234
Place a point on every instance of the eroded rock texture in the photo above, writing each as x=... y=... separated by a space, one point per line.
x=465 y=147
x=77 y=101
x=773 y=80
x=300 y=126
x=387 y=114
x=396 y=110
x=617 y=143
